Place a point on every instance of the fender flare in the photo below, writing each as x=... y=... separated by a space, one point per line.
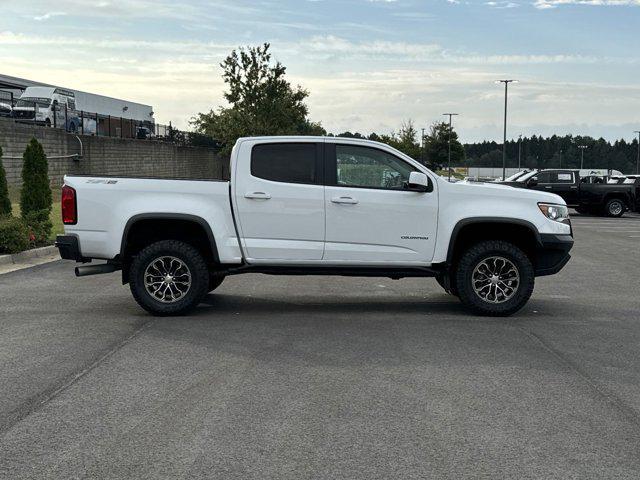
x=170 y=216
x=473 y=220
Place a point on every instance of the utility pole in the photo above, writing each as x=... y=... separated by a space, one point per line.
x=449 y=164
x=582 y=147
x=504 y=138
x=638 y=159
x=424 y=151
x=519 y=149
x=560 y=158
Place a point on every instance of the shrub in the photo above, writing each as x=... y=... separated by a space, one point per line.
x=5 y=203
x=35 y=196
x=39 y=226
x=14 y=235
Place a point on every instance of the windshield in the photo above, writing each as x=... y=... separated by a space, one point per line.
x=29 y=101
x=527 y=176
x=515 y=176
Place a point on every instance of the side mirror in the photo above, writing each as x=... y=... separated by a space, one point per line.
x=418 y=182
x=533 y=181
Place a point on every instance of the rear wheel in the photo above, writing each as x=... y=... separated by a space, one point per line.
x=169 y=278
x=614 y=208
x=495 y=278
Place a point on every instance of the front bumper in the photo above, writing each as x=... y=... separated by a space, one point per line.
x=552 y=253
x=69 y=248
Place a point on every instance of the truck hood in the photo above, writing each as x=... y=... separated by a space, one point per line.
x=505 y=191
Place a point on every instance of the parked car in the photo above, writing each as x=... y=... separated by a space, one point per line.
x=589 y=194
x=315 y=206
x=628 y=180
x=144 y=133
x=5 y=109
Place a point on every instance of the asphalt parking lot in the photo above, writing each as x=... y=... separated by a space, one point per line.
x=326 y=377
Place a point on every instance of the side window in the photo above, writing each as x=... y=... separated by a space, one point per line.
x=285 y=162
x=544 y=177
x=563 y=177
x=71 y=102
x=370 y=168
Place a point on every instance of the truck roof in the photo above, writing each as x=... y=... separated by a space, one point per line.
x=294 y=138
x=44 y=92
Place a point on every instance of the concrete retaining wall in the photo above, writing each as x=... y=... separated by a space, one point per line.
x=106 y=156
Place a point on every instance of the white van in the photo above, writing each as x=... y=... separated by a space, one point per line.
x=50 y=106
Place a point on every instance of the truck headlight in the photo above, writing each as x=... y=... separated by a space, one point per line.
x=558 y=213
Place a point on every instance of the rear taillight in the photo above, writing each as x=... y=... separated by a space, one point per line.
x=69 y=206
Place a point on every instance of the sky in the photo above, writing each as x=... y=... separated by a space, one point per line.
x=368 y=65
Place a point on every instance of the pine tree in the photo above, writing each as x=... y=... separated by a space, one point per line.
x=35 y=196
x=5 y=204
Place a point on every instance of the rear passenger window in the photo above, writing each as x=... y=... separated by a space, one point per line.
x=285 y=162
x=564 y=177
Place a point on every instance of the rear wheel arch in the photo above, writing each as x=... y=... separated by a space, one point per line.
x=144 y=229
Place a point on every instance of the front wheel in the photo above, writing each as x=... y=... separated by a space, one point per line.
x=169 y=278
x=614 y=208
x=495 y=278
x=215 y=281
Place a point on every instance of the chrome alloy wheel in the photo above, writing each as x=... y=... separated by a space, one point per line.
x=495 y=279
x=167 y=279
x=615 y=208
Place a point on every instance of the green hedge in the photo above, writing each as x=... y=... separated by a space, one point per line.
x=14 y=235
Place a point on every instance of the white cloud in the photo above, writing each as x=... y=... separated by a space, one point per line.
x=547 y=4
x=48 y=16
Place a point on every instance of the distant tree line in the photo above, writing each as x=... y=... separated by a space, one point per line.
x=555 y=152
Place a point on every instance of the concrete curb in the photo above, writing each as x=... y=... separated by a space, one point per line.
x=28 y=255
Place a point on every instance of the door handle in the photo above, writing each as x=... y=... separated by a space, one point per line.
x=344 y=200
x=549 y=186
x=257 y=195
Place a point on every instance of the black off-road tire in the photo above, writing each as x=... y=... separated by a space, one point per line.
x=186 y=254
x=614 y=208
x=473 y=257
x=215 y=281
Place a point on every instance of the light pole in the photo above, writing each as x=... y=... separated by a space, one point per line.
x=582 y=147
x=449 y=164
x=504 y=143
x=638 y=160
x=519 y=149
x=422 y=150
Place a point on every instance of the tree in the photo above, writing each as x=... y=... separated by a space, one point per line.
x=436 y=144
x=405 y=140
x=261 y=101
x=35 y=195
x=5 y=203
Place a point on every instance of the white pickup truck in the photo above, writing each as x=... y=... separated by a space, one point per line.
x=315 y=206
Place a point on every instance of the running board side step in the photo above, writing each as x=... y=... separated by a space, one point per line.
x=346 y=271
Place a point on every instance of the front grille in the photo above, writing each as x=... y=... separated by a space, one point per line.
x=23 y=114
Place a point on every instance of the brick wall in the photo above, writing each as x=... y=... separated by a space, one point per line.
x=106 y=156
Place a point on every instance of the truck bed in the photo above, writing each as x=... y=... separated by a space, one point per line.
x=107 y=204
